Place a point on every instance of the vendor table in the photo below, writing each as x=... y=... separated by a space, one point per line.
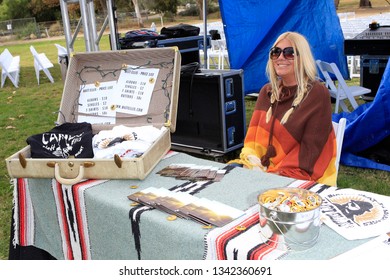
x=95 y=219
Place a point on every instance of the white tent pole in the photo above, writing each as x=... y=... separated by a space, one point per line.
x=205 y=31
x=86 y=26
x=66 y=24
x=92 y=26
x=111 y=10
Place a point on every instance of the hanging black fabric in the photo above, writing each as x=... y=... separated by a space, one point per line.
x=63 y=141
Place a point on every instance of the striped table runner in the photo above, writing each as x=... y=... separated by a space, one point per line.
x=248 y=238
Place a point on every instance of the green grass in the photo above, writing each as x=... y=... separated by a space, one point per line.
x=32 y=109
x=27 y=110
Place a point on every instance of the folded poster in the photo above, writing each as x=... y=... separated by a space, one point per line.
x=356 y=214
x=184 y=205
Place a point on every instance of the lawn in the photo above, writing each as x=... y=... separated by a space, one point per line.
x=27 y=110
x=33 y=108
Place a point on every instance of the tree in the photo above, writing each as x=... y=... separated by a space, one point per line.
x=44 y=10
x=13 y=10
x=138 y=13
x=211 y=5
x=365 y=4
x=199 y=3
x=164 y=7
x=124 y=5
x=102 y=6
x=3 y=12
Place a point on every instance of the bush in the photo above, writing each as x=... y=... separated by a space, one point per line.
x=56 y=29
x=27 y=30
x=8 y=38
x=213 y=9
x=192 y=11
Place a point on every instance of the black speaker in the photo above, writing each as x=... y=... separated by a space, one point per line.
x=211 y=112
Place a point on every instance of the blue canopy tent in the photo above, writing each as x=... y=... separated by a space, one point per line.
x=368 y=126
x=251 y=27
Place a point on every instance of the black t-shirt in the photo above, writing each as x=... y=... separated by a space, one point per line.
x=63 y=141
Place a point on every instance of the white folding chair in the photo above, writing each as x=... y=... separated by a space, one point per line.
x=61 y=51
x=342 y=91
x=339 y=129
x=10 y=67
x=218 y=52
x=41 y=63
x=354 y=66
x=213 y=54
x=223 y=54
x=63 y=60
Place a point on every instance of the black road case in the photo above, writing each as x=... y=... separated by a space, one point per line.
x=188 y=46
x=372 y=68
x=211 y=112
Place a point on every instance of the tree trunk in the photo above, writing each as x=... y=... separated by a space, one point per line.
x=365 y=4
x=103 y=4
x=138 y=13
x=199 y=3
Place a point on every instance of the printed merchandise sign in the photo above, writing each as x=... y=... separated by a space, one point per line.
x=134 y=90
x=96 y=104
x=130 y=94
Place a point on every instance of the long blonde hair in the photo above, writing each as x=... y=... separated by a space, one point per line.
x=304 y=67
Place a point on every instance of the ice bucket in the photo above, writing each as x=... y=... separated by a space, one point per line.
x=291 y=213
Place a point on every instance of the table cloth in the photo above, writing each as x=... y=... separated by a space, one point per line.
x=94 y=219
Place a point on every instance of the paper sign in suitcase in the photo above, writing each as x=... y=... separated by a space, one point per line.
x=153 y=73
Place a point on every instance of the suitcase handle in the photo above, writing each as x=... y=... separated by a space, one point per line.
x=65 y=181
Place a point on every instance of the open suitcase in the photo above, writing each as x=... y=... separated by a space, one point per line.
x=98 y=68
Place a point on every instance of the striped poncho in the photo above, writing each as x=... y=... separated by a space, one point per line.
x=305 y=145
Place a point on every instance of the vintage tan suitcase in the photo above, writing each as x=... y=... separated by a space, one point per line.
x=97 y=68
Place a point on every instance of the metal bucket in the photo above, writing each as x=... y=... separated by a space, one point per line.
x=297 y=230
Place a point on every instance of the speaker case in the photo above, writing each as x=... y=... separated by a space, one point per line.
x=211 y=112
x=188 y=46
x=372 y=68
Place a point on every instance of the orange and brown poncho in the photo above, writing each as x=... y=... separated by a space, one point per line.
x=305 y=145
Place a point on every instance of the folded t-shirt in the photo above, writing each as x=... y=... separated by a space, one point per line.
x=63 y=141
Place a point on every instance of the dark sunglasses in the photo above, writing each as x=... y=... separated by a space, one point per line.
x=288 y=53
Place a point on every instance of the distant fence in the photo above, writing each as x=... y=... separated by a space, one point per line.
x=17 y=27
x=28 y=28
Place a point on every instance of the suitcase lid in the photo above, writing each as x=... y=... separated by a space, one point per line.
x=129 y=87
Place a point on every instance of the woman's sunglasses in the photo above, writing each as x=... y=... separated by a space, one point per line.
x=288 y=53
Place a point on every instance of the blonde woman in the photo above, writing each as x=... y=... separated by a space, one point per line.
x=290 y=132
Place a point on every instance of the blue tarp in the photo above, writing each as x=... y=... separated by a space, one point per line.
x=366 y=126
x=252 y=26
